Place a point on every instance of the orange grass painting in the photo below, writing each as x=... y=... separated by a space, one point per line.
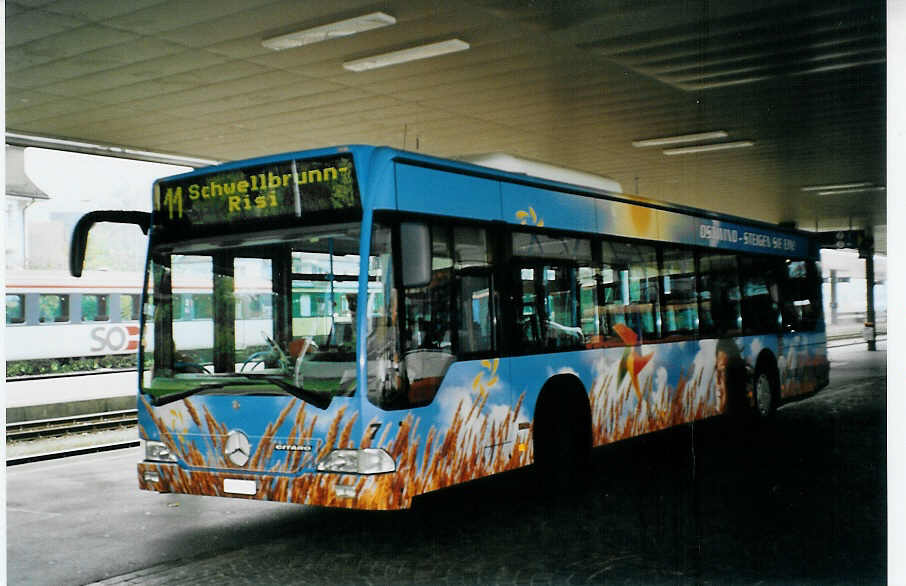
x=460 y=437
x=458 y=455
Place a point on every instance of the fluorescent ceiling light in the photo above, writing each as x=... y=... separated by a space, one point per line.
x=342 y=28
x=838 y=66
x=858 y=190
x=650 y=142
x=406 y=55
x=704 y=148
x=838 y=186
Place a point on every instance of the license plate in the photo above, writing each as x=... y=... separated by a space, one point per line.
x=236 y=486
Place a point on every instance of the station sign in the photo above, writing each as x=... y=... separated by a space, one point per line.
x=842 y=239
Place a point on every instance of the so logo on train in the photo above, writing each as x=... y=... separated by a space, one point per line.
x=113 y=338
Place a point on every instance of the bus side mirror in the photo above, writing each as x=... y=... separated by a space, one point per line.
x=415 y=241
x=79 y=241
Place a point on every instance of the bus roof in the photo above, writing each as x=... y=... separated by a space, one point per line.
x=617 y=213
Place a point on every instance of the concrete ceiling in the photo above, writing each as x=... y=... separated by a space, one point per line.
x=572 y=83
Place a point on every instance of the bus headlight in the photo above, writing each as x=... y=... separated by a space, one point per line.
x=158 y=452
x=365 y=461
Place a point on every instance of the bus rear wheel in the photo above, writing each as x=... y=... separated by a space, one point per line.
x=765 y=394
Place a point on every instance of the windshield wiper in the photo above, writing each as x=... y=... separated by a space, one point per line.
x=319 y=400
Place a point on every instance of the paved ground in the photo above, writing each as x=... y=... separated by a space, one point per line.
x=36 y=391
x=799 y=502
x=44 y=398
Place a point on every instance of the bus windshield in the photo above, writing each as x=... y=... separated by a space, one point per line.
x=267 y=315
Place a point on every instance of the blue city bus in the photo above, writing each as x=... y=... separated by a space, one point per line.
x=461 y=321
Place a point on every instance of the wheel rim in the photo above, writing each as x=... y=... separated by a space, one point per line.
x=763 y=395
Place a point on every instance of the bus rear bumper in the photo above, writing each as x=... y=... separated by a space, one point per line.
x=350 y=491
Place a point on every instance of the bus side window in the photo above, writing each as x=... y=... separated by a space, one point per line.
x=590 y=317
x=15 y=308
x=631 y=295
x=428 y=308
x=760 y=294
x=719 y=295
x=428 y=323
x=679 y=309
x=800 y=296
x=53 y=308
x=472 y=266
x=562 y=327
x=550 y=316
x=527 y=317
x=475 y=333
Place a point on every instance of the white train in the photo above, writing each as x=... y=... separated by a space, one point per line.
x=50 y=314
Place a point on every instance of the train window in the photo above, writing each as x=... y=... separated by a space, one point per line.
x=15 y=308
x=129 y=307
x=254 y=306
x=202 y=306
x=250 y=274
x=53 y=308
x=182 y=307
x=94 y=308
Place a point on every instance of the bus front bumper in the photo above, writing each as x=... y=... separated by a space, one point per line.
x=351 y=491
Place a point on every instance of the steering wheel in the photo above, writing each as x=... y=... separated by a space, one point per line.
x=190 y=367
x=256 y=359
x=263 y=355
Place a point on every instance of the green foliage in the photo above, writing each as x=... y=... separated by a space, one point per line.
x=16 y=368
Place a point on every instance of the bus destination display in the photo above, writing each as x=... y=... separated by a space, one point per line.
x=283 y=189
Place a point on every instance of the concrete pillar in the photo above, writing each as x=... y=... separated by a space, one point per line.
x=870 y=329
x=833 y=296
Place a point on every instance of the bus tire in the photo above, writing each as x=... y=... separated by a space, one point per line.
x=562 y=440
x=765 y=391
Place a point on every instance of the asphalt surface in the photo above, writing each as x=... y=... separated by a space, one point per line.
x=799 y=501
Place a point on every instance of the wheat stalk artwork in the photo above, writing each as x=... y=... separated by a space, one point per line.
x=468 y=432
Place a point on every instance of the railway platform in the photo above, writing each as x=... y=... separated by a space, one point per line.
x=35 y=398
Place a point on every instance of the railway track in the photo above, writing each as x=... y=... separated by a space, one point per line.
x=61 y=426
x=70 y=426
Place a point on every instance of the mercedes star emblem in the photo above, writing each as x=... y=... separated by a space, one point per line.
x=237 y=448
